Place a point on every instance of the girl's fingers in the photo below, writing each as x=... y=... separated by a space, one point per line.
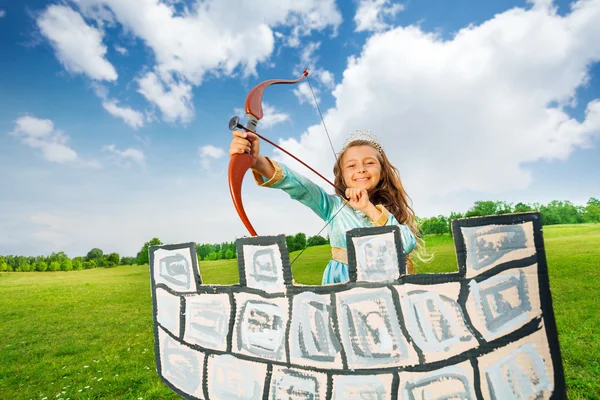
x=240 y=141
x=240 y=134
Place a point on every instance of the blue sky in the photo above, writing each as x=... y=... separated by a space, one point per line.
x=113 y=117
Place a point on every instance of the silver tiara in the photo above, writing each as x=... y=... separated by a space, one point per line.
x=363 y=134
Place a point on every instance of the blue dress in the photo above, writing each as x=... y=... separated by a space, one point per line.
x=326 y=205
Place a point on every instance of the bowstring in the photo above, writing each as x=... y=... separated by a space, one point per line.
x=336 y=160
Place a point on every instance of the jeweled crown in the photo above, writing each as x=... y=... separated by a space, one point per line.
x=363 y=134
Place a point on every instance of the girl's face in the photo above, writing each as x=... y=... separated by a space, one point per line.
x=361 y=168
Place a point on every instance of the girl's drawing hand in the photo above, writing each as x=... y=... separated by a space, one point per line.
x=358 y=198
x=245 y=142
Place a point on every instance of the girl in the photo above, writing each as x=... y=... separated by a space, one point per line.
x=368 y=179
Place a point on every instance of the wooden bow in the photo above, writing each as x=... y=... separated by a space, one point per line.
x=239 y=164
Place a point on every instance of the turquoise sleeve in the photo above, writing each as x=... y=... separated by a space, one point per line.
x=308 y=193
x=408 y=238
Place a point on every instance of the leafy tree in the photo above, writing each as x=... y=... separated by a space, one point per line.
x=54 y=266
x=228 y=254
x=300 y=241
x=502 y=207
x=94 y=254
x=78 y=263
x=290 y=242
x=561 y=212
x=481 y=208
x=3 y=264
x=316 y=240
x=41 y=266
x=127 y=261
x=25 y=267
x=112 y=260
x=66 y=265
x=59 y=257
x=142 y=256
x=522 y=207
x=435 y=225
x=591 y=212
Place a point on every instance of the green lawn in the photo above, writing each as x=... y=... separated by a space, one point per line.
x=88 y=334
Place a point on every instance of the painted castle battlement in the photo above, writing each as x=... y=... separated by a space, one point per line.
x=485 y=331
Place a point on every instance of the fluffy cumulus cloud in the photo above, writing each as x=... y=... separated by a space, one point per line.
x=174 y=99
x=133 y=118
x=371 y=15
x=304 y=94
x=207 y=37
x=78 y=45
x=309 y=59
x=40 y=134
x=208 y=154
x=272 y=117
x=126 y=157
x=121 y=50
x=468 y=113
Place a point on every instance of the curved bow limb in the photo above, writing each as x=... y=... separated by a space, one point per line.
x=239 y=164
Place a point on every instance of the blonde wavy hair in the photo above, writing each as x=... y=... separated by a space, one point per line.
x=390 y=193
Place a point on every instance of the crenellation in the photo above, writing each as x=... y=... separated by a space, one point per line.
x=382 y=335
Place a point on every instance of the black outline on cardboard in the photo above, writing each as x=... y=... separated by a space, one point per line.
x=485 y=347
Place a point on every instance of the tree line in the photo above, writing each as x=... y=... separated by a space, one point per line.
x=555 y=212
x=61 y=262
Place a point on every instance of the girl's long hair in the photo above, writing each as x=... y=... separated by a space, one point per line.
x=389 y=192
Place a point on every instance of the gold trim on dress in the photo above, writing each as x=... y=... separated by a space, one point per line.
x=277 y=176
x=339 y=254
x=383 y=218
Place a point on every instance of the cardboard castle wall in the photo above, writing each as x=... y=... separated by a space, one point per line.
x=484 y=332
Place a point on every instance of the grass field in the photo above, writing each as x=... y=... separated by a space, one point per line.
x=88 y=334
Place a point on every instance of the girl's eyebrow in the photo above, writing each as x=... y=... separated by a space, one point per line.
x=364 y=158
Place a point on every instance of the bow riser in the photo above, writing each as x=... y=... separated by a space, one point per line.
x=239 y=164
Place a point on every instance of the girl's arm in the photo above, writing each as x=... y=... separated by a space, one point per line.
x=297 y=186
x=271 y=174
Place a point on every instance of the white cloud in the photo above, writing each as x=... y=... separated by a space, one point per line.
x=2 y=13
x=326 y=78
x=40 y=134
x=372 y=14
x=133 y=118
x=467 y=114
x=309 y=59
x=209 y=153
x=174 y=99
x=209 y=38
x=78 y=46
x=121 y=50
x=272 y=117
x=305 y=95
x=127 y=156
x=34 y=127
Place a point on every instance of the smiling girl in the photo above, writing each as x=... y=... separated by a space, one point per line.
x=363 y=174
